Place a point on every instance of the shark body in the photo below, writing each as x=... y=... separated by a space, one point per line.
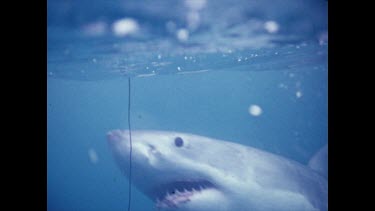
x=188 y=172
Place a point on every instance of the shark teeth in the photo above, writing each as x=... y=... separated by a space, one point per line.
x=175 y=193
x=174 y=199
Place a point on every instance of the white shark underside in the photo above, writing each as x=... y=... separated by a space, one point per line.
x=188 y=172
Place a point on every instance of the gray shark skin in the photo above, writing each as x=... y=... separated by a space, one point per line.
x=187 y=172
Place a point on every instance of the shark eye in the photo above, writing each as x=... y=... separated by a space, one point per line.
x=178 y=142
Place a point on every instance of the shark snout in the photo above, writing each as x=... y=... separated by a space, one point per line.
x=115 y=136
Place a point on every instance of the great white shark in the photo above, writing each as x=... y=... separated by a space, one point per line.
x=187 y=172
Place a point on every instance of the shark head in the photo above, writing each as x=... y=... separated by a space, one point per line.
x=187 y=172
x=175 y=170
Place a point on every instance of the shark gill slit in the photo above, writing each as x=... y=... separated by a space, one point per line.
x=131 y=147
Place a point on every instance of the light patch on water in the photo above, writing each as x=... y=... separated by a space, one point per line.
x=298 y=94
x=193 y=72
x=193 y=20
x=124 y=27
x=93 y=156
x=283 y=86
x=255 y=110
x=182 y=35
x=146 y=75
x=195 y=4
x=193 y=17
x=271 y=26
x=179 y=68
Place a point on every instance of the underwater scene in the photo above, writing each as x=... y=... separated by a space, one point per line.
x=187 y=105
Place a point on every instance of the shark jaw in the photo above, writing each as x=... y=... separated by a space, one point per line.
x=163 y=176
x=174 y=194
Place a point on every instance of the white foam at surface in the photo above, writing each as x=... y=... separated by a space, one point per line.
x=193 y=20
x=255 y=110
x=298 y=94
x=271 y=26
x=182 y=35
x=125 y=26
x=192 y=27
x=195 y=4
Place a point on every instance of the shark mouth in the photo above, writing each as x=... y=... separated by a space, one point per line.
x=172 y=194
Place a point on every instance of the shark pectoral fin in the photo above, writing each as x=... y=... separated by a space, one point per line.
x=319 y=162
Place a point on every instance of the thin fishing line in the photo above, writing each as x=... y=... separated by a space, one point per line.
x=131 y=148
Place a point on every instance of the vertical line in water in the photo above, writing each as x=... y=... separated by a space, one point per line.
x=131 y=147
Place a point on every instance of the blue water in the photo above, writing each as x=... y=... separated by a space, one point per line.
x=203 y=86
